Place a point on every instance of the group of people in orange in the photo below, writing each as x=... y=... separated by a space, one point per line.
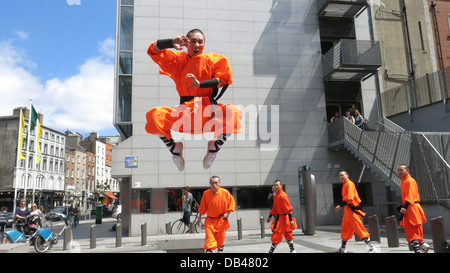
x=198 y=77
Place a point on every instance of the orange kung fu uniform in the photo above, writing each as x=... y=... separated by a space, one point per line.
x=195 y=116
x=414 y=216
x=281 y=225
x=215 y=205
x=351 y=221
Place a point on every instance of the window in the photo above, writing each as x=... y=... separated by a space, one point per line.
x=122 y=120
x=124 y=99
x=256 y=197
x=448 y=19
x=174 y=199
x=140 y=201
x=421 y=37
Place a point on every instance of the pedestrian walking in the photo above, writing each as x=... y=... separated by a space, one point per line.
x=283 y=223
x=3 y=218
x=411 y=210
x=76 y=212
x=351 y=221
x=218 y=203
x=186 y=207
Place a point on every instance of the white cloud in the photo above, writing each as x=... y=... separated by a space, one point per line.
x=23 y=35
x=107 y=48
x=82 y=102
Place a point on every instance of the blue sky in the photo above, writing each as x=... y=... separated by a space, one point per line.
x=60 y=54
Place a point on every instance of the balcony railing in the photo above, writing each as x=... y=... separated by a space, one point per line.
x=383 y=146
x=341 y=8
x=351 y=60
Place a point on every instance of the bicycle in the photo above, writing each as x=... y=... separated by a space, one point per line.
x=179 y=227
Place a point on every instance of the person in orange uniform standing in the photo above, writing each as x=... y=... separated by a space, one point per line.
x=284 y=223
x=411 y=210
x=351 y=221
x=218 y=203
x=197 y=76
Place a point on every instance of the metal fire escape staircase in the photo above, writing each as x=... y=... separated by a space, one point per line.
x=383 y=145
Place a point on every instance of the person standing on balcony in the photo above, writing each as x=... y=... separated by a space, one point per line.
x=413 y=215
x=335 y=117
x=359 y=120
x=349 y=117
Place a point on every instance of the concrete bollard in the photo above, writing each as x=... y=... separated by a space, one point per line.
x=193 y=227
x=168 y=228
x=391 y=231
x=438 y=234
x=263 y=227
x=67 y=244
x=239 y=226
x=93 y=236
x=374 y=229
x=144 y=234
x=118 y=235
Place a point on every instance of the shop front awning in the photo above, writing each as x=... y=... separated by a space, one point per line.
x=110 y=195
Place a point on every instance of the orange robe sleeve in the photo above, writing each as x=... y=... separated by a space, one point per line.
x=349 y=193
x=217 y=204
x=410 y=194
x=351 y=197
x=281 y=205
x=281 y=208
x=177 y=64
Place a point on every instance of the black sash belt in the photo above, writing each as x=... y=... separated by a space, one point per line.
x=220 y=216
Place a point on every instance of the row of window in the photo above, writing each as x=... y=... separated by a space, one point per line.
x=253 y=197
x=89 y=159
x=54 y=150
x=45 y=165
x=42 y=183
x=47 y=135
x=150 y=201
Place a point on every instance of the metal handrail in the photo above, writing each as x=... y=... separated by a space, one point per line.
x=383 y=150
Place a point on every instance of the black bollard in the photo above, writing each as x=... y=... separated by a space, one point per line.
x=263 y=227
x=67 y=238
x=144 y=234
x=438 y=234
x=374 y=229
x=391 y=231
x=239 y=226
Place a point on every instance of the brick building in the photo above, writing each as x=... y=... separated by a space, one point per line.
x=440 y=18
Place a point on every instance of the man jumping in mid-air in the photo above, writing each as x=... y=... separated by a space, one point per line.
x=197 y=76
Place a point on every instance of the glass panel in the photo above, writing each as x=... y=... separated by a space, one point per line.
x=126 y=28
x=254 y=197
x=124 y=99
x=127 y=2
x=174 y=199
x=141 y=200
x=126 y=63
x=126 y=130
